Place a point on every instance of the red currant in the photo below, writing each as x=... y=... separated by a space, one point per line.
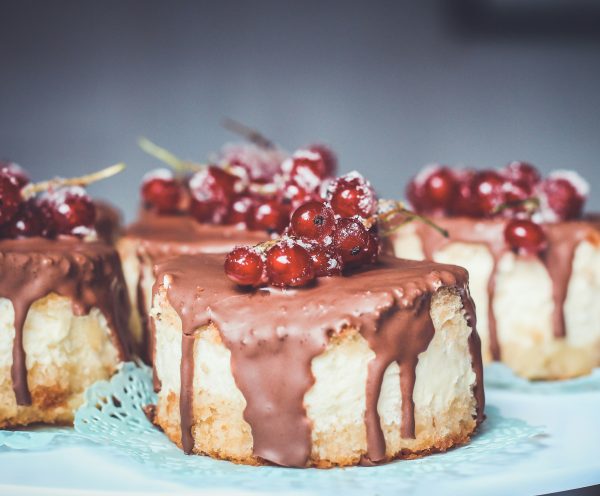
x=465 y=203
x=45 y=207
x=212 y=191
x=351 y=240
x=329 y=158
x=488 y=191
x=525 y=236
x=564 y=193
x=326 y=261
x=161 y=191
x=74 y=211
x=438 y=189
x=313 y=220
x=352 y=195
x=28 y=221
x=10 y=199
x=289 y=264
x=521 y=173
x=239 y=210
x=268 y=215
x=258 y=164
x=372 y=249
x=244 y=266
x=16 y=172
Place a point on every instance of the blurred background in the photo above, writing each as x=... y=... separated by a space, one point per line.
x=390 y=85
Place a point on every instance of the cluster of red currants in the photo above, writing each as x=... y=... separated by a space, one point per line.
x=516 y=192
x=324 y=237
x=63 y=210
x=255 y=188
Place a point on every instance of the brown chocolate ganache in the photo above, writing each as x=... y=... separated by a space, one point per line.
x=161 y=236
x=88 y=273
x=274 y=334
x=563 y=239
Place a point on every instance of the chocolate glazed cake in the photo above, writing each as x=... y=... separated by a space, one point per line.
x=537 y=313
x=154 y=237
x=63 y=326
x=381 y=364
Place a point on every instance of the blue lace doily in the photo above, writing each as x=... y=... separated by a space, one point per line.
x=499 y=376
x=112 y=415
x=35 y=438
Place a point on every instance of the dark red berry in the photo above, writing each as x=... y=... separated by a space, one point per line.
x=45 y=207
x=289 y=264
x=313 y=220
x=10 y=199
x=74 y=211
x=329 y=158
x=212 y=191
x=326 y=261
x=352 y=195
x=161 y=191
x=372 y=249
x=244 y=266
x=525 y=236
x=257 y=164
x=16 y=172
x=465 y=203
x=521 y=173
x=268 y=215
x=28 y=221
x=564 y=193
x=239 y=209
x=434 y=189
x=351 y=240
x=488 y=191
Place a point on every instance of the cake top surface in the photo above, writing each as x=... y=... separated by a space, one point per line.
x=199 y=291
x=66 y=246
x=184 y=230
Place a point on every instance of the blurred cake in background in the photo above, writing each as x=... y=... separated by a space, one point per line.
x=63 y=300
x=244 y=196
x=532 y=255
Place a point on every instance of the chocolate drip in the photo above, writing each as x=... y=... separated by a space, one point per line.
x=273 y=336
x=399 y=336
x=563 y=239
x=89 y=274
x=186 y=394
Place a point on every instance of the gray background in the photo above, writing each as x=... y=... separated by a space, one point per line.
x=390 y=85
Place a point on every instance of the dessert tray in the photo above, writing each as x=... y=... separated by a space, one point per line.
x=523 y=447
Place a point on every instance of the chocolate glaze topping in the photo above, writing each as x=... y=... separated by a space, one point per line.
x=273 y=335
x=563 y=239
x=88 y=273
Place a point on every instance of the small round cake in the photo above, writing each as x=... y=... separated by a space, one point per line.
x=63 y=325
x=379 y=364
x=535 y=275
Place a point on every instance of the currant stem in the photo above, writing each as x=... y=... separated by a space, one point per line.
x=33 y=188
x=167 y=157
x=400 y=209
x=247 y=132
x=530 y=204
